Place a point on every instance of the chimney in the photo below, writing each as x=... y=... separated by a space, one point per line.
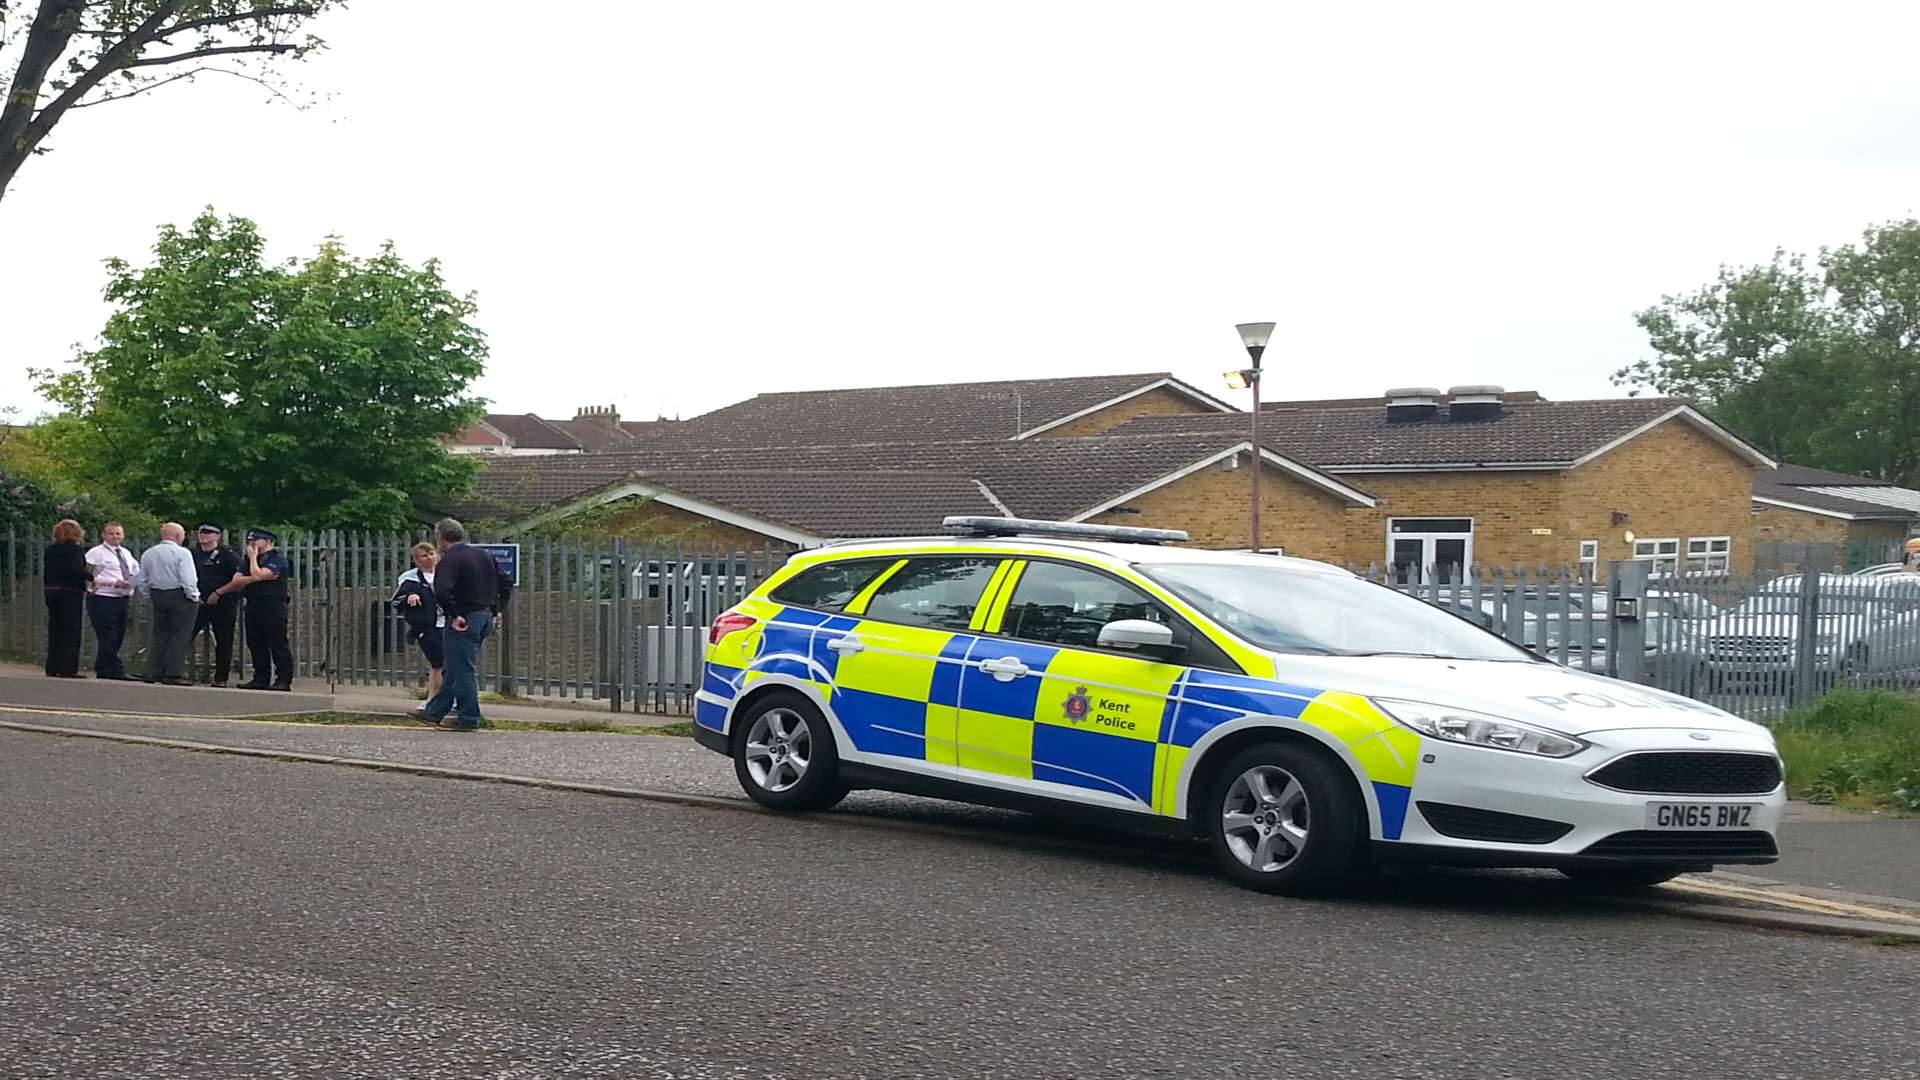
x=604 y=415
x=1477 y=402
x=1412 y=403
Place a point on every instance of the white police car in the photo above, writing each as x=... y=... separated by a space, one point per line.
x=1304 y=721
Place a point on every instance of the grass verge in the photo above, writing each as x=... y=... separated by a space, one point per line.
x=679 y=729
x=1856 y=748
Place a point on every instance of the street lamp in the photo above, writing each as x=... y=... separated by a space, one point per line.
x=1254 y=336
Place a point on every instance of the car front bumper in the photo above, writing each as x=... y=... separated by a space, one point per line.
x=1601 y=825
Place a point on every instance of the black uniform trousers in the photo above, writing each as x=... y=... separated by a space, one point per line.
x=218 y=618
x=267 y=641
x=109 y=615
x=63 y=630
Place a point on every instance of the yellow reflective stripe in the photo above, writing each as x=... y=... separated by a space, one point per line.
x=992 y=595
x=998 y=610
x=859 y=604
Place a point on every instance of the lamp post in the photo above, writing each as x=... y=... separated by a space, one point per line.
x=1254 y=336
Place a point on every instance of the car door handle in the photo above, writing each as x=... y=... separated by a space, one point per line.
x=846 y=646
x=1005 y=669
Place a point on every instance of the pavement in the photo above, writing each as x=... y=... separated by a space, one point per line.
x=176 y=914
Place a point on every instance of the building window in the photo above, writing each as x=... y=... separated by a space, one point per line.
x=1709 y=553
x=1589 y=558
x=1663 y=554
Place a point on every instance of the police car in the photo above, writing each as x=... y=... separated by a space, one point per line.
x=1303 y=721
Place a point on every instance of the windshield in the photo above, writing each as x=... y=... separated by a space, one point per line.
x=1326 y=614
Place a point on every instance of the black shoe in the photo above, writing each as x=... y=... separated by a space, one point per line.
x=175 y=682
x=116 y=678
x=252 y=686
x=450 y=724
x=218 y=684
x=148 y=679
x=281 y=686
x=424 y=717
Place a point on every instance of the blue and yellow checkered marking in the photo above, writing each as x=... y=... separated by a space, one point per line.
x=920 y=694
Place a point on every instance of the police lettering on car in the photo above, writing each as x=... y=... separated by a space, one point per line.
x=217 y=566
x=1302 y=720
x=265 y=589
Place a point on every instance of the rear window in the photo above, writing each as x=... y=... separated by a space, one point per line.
x=829 y=586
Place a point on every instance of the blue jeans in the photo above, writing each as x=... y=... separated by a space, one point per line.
x=460 y=684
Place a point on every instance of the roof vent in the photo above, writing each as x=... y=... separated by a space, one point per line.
x=1478 y=402
x=1412 y=403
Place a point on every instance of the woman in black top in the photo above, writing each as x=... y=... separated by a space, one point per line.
x=65 y=582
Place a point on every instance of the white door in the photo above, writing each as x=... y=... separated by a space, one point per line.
x=1423 y=551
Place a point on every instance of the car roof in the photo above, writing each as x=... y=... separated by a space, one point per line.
x=1125 y=554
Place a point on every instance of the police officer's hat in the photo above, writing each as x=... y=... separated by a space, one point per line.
x=211 y=528
x=262 y=534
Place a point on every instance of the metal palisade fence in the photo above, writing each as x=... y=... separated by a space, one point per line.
x=624 y=622
x=599 y=619
x=1756 y=644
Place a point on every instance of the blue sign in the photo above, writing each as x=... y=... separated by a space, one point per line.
x=506 y=557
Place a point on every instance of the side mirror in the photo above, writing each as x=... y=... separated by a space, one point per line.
x=1136 y=634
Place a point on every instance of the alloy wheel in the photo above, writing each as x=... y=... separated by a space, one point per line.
x=1264 y=818
x=779 y=749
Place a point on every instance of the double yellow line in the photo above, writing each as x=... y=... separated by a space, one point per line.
x=1812 y=905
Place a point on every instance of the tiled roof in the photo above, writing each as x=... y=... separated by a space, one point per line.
x=1041 y=478
x=1511 y=396
x=934 y=413
x=529 y=432
x=1837 y=493
x=1355 y=439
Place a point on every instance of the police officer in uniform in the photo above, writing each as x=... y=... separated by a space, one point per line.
x=217 y=566
x=265 y=586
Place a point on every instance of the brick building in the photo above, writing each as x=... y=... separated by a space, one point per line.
x=1415 y=479
x=1830 y=517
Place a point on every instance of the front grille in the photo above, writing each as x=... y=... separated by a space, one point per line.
x=1701 y=844
x=1740 y=647
x=1492 y=826
x=1691 y=772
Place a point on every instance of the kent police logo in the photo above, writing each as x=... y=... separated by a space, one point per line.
x=1078 y=704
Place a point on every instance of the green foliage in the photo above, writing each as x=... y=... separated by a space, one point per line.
x=1817 y=366
x=32 y=496
x=312 y=393
x=1854 y=746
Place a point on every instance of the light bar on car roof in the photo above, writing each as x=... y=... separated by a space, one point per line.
x=998 y=526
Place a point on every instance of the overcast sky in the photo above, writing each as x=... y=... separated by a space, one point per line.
x=671 y=206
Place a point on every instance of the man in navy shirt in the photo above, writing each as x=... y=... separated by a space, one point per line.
x=264 y=587
x=467 y=584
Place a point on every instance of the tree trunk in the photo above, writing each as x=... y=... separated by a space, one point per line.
x=53 y=27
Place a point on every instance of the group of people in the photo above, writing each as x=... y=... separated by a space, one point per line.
x=449 y=601
x=193 y=591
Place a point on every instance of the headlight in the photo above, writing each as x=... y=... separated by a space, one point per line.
x=1479 y=729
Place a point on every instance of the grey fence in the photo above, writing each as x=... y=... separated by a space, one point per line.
x=594 y=619
x=1756 y=644
x=625 y=623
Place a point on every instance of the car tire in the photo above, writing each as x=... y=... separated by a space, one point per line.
x=1623 y=877
x=1281 y=818
x=784 y=754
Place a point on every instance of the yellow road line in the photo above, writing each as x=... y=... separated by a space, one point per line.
x=1811 y=904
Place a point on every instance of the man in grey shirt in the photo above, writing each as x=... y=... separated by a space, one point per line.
x=169 y=576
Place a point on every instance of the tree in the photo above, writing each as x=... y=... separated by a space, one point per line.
x=310 y=393
x=1819 y=367
x=75 y=54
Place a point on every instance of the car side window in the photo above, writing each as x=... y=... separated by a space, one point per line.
x=1065 y=605
x=831 y=586
x=942 y=593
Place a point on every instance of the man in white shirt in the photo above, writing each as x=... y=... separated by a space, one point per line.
x=167 y=573
x=109 y=597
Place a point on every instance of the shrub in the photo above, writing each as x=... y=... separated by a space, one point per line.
x=1854 y=746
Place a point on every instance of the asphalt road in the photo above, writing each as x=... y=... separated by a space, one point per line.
x=1820 y=847
x=168 y=914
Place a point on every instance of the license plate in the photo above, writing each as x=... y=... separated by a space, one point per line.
x=1662 y=815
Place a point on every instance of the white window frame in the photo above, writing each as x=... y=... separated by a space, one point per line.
x=1590 y=557
x=1650 y=549
x=1429 y=540
x=1709 y=554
